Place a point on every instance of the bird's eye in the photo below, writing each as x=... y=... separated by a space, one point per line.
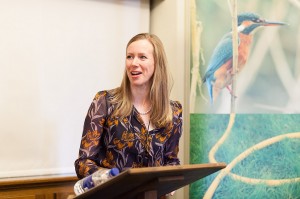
x=258 y=20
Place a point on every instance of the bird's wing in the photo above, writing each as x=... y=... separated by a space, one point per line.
x=221 y=54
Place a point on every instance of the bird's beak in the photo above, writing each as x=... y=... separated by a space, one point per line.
x=272 y=23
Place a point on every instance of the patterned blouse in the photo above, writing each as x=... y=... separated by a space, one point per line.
x=111 y=142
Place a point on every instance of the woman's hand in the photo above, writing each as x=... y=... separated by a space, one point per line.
x=171 y=194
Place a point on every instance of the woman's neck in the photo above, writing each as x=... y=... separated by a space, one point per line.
x=141 y=98
x=142 y=103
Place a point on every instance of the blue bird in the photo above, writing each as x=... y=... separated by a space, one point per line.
x=219 y=73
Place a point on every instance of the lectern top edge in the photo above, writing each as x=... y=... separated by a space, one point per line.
x=220 y=165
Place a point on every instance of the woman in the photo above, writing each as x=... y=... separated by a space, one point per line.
x=136 y=124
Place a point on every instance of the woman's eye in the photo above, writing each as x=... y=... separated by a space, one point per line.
x=129 y=57
x=143 y=57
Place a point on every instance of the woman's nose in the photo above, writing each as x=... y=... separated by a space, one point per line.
x=135 y=61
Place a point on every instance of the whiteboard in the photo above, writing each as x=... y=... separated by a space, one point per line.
x=54 y=56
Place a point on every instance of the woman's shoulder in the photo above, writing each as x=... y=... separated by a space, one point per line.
x=105 y=93
x=103 y=99
x=175 y=104
x=176 y=108
x=101 y=95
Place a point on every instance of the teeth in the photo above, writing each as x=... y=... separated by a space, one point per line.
x=135 y=73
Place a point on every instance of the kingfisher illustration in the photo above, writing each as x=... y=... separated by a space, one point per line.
x=219 y=73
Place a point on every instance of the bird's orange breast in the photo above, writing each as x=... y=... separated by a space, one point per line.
x=244 y=49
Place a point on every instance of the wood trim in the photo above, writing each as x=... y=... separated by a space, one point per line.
x=48 y=186
x=10 y=183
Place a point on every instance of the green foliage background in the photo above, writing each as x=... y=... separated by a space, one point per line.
x=278 y=161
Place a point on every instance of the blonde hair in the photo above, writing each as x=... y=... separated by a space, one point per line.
x=161 y=83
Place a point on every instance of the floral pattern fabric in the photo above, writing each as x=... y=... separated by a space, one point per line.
x=109 y=142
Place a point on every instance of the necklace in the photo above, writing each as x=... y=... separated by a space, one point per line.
x=145 y=113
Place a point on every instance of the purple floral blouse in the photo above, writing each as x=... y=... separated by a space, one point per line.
x=111 y=142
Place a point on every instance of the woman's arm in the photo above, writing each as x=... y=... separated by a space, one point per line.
x=88 y=161
x=172 y=145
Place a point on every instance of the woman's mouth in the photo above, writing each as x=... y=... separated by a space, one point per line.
x=135 y=73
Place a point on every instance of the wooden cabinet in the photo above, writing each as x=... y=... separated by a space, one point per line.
x=38 y=187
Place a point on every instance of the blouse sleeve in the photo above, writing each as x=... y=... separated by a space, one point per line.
x=172 y=145
x=87 y=162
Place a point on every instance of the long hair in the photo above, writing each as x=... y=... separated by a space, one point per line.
x=160 y=88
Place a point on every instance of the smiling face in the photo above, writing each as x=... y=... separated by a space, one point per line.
x=140 y=63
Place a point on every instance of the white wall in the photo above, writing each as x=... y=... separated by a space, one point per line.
x=54 y=56
x=170 y=21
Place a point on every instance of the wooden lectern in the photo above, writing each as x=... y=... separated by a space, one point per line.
x=150 y=182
